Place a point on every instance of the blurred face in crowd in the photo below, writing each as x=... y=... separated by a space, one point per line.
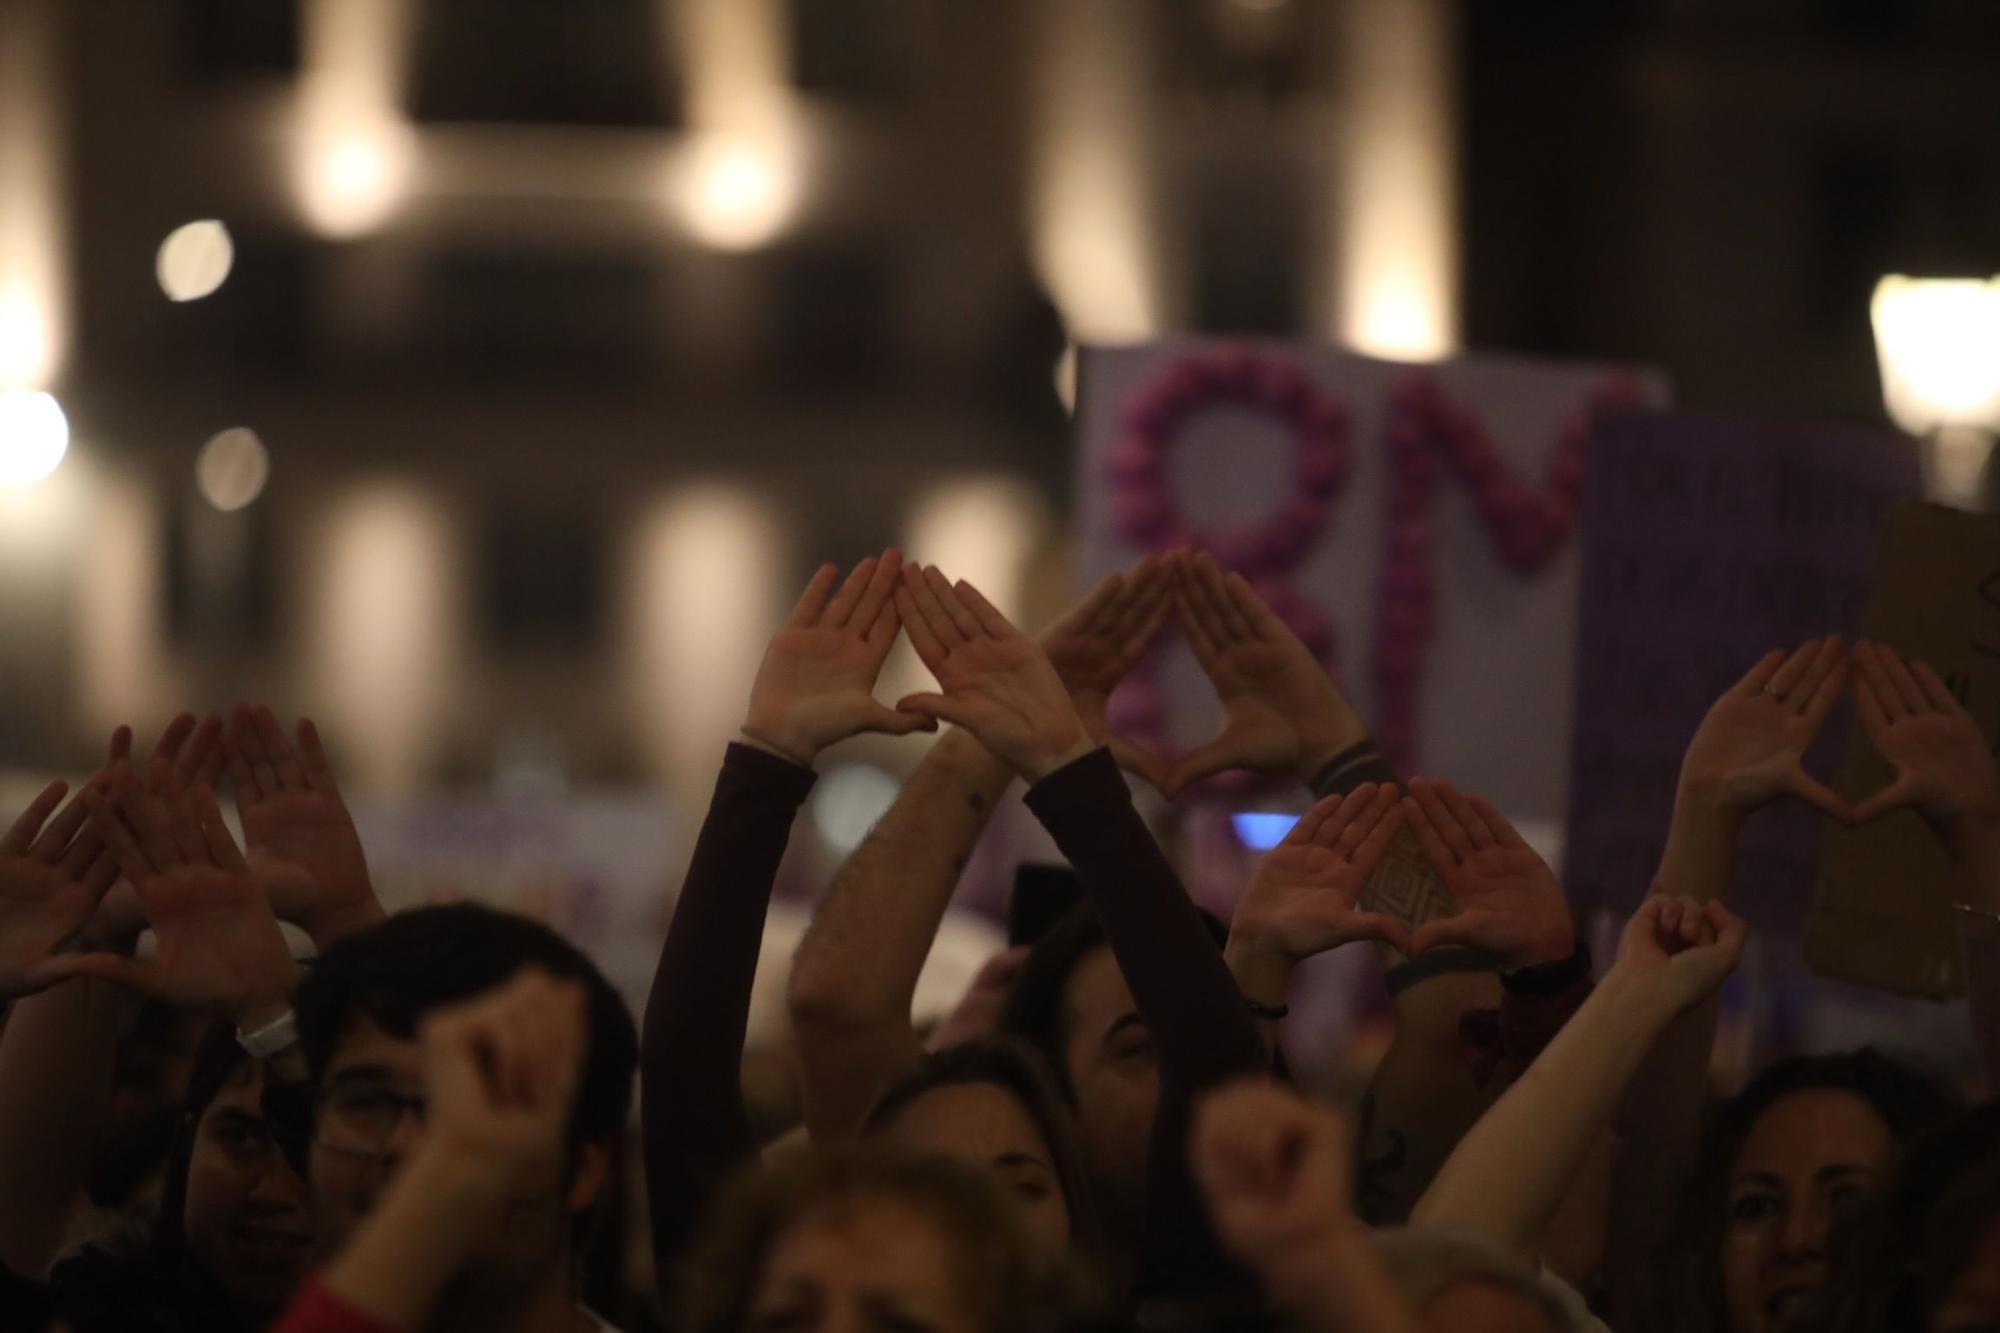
x=1972 y=1303
x=370 y=1121
x=1479 y=1306
x=1809 y=1160
x=862 y=1265
x=985 y=1126
x=248 y=1221
x=1109 y=1060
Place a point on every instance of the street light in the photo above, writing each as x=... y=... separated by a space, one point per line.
x=1938 y=342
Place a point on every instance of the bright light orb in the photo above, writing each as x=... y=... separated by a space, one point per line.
x=849 y=801
x=737 y=194
x=232 y=468
x=1938 y=341
x=34 y=435
x=194 y=260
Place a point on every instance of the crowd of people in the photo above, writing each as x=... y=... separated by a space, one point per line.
x=426 y=1124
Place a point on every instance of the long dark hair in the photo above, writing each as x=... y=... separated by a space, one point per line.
x=1018 y=1069
x=1685 y=1291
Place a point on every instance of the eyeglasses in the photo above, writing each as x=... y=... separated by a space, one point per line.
x=361 y=1120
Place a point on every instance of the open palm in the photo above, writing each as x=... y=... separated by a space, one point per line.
x=1750 y=748
x=1303 y=899
x=1943 y=767
x=47 y=893
x=1510 y=903
x=1099 y=642
x=300 y=840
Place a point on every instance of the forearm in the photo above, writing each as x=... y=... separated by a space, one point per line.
x=693 y=1123
x=1701 y=846
x=1511 y=1171
x=56 y=1063
x=1339 y=1285
x=412 y=1245
x=1976 y=854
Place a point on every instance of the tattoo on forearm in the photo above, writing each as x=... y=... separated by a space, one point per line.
x=1406 y=887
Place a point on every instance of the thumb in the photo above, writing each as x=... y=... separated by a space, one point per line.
x=1139 y=762
x=1898 y=795
x=1817 y=794
x=1204 y=761
x=1388 y=929
x=893 y=722
x=938 y=707
x=112 y=967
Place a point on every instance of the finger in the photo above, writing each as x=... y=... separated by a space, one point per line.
x=104 y=871
x=131 y=973
x=845 y=601
x=1326 y=814
x=1822 y=797
x=1215 y=588
x=1151 y=611
x=1667 y=919
x=1140 y=763
x=1935 y=690
x=1908 y=692
x=121 y=745
x=938 y=706
x=144 y=809
x=1381 y=926
x=1730 y=929
x=128 y=856
x=1203 y=635
x=1760 y=675
x=924 y=594
x=1898 y=795
x=1466 y=928
x=1826 y=659
x=1691 y=922
x=1259 y=621
x=988 y=617
x=1794 y=667
x=284 y=760
x=1147 y=586
x=1874 y=715
x=200 y=751
x=889 y=722
x=168 y=747
x=1442 y=818
x=236 y=755
x=312 y=758
x=184 y=827
x=878 y=598
x=60 y=832
x=1376 y=845
x=221 y=847
x=22 y=836
x=1868 y=667
x=954 y=608
x=1462 y=813
x=1204 y=761
x=1098 y=608
x=930 y=649
x=1436 y=851
x=882 y=631
x=1380 y=803
x=805 y=611
x=249 y=735
x=1498 y=826
x=1827 y=694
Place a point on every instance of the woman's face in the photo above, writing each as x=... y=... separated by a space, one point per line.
x=247 y=1221
x=985 y=1125
x=861 y=1266
x=1810 y=1158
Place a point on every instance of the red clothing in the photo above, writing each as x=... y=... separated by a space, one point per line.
x=317 y=1310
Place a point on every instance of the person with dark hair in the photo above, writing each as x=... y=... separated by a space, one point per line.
x=1802 y=1147
x=363 y=1012
x=845 y=1238
x=993 y=1104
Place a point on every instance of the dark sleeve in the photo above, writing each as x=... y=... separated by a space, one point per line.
x=694 y=1129
x=1201 y=1028
x=24 y=1303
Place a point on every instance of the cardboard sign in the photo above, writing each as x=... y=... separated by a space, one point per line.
x=1884 y=912
x=1706 y=544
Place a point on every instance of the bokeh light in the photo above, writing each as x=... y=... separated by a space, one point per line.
x=194 y=260
x=737 y=193
x=34 y=435
x=232 y=468
x=847 y=803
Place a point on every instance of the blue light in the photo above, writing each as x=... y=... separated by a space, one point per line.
x=1262 y=832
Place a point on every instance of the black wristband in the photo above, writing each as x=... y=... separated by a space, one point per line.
x=1271 y=1011
x=1550 y=978
x=1436 y=962
x=1358 y=763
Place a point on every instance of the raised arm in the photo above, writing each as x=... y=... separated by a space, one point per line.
x=1283 y=714
x=813 y=688
x=856 y=971
x=1276 y=1171
x=1506 y=1178
x=59 y=1048
x=1946 y=773
x=1748 y=752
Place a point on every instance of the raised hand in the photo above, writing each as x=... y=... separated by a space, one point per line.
x=194 y=750
x=1281 y=712
x=1685 y=947
x=1751 y=747
x=996 y=682
x=1303 y=899
x=218 y=944
x=1511 y=904
x=1944 y=770
x=1275 y=1170
x=50 y=884
x=300 y=841
x=816 y=683
x=1098 y=642
x=500 y=1074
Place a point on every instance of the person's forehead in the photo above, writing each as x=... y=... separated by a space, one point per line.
x=1817 y=1126
x=366 y=1043
x=985 y=1113
x=1096 y=994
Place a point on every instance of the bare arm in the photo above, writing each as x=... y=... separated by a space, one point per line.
x=1512 y=1170
x=856 y=970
